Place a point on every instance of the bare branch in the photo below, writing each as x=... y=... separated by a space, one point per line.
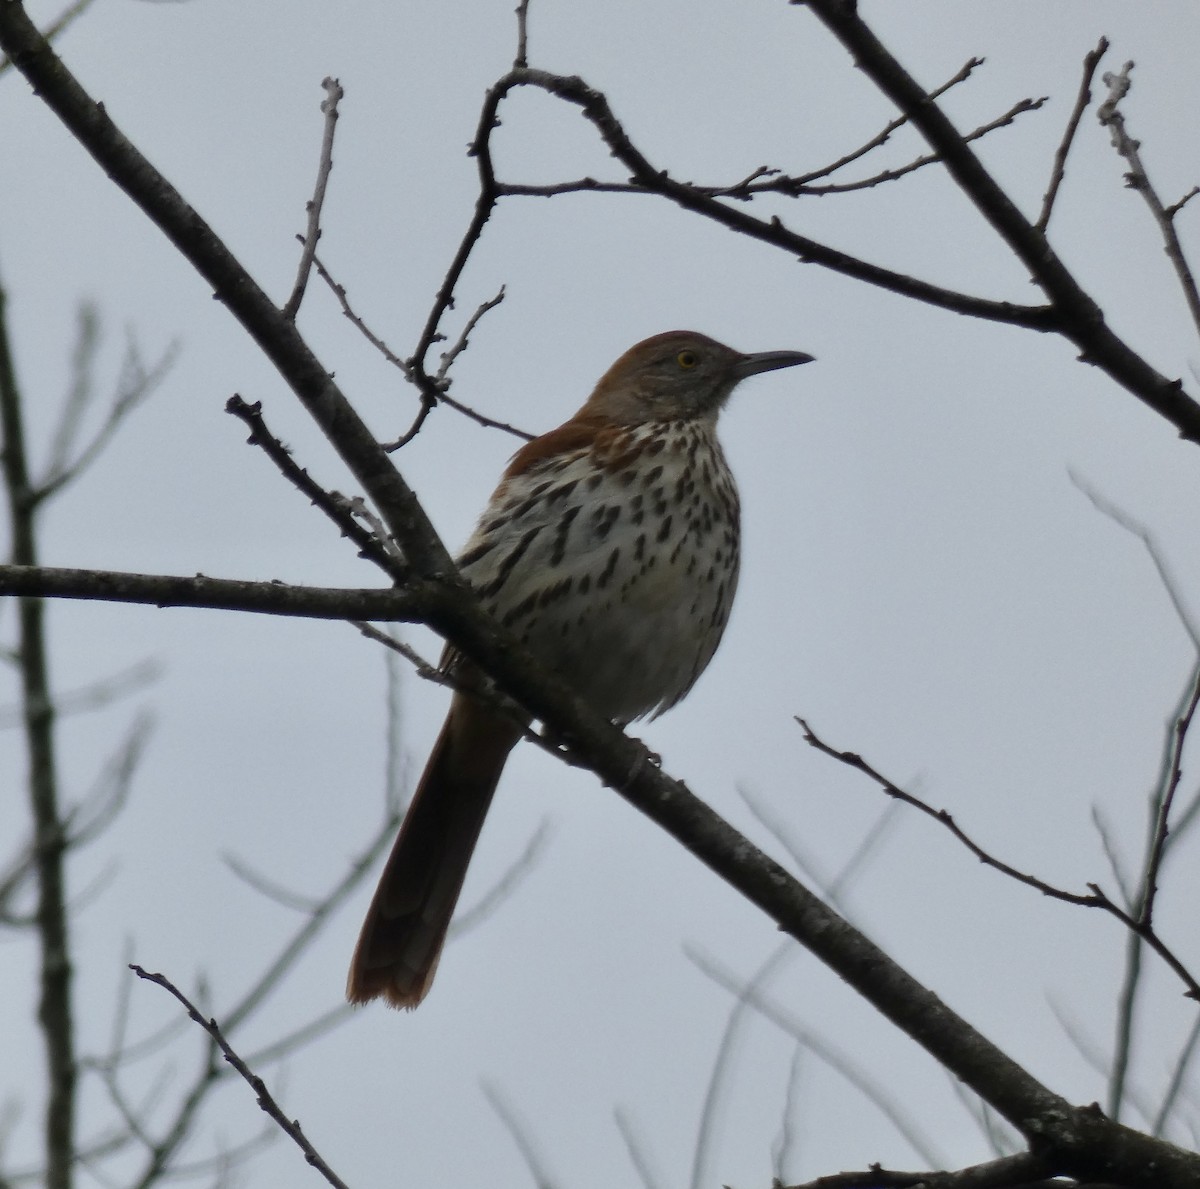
x=508 y=882
x=1179 y=1075
x=1165 y=798
x=48 y=851
x=787 y=1143
x=269 y=888
x=1110 y=115
x=266 y=1102
x=639 y=1156
x=881 y=138
x=80 y=389
x=448 y=358
x=1022 y=1171
x=1090 y=62
x=329 y=106
x=1075 y=314
x=110 y=790
x=226 y=594
x=1074 y=1137
x=522 y=35
x=649 y=179
x=1096 y=898
x=842 y=1063
x=97 y=695
x=519 y=1132
x=429 y=393
x=799 y=187
x=370 y=545
x=56 y=27
x=135 y=385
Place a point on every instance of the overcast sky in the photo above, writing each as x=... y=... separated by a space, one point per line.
x=922 y=580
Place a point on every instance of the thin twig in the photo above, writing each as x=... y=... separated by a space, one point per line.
x=441 y=378
x=329 y=106
x=405 y=367
x=371 y=545
x=786 y=1147
x=1173 y=774
x=764 y=180
x=1096 y=897
x=1178 y=1078
x=651 y=179
x=1110 y=115
x=522 y=58
x=441 y=382
x=798 y=187
x=883 y=136
x=637 y=1149
x=1082 y=99
x=865 y=1082
x=135 y=384
x=268 y=888
x=55 y=28
x=266 y=1102
x=519 y=1132
x=98 y=694
x=1170 y=585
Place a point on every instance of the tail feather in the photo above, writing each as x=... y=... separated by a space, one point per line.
x=402 y=937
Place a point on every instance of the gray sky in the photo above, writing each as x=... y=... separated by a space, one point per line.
x=922 y=581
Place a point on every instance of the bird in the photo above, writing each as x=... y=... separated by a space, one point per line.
x=610 y=549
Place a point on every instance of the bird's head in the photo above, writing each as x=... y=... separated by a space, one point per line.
x=680 y=375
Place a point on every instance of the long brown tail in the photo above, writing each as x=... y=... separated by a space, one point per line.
x=401 y=939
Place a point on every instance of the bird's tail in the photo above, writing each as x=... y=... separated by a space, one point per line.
x=401 y=939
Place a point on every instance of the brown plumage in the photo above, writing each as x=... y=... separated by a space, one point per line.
x=610 y=548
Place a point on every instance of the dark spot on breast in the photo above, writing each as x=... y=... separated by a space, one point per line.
x=561 y=530
x=551 y=594
x=489 y=589
x=481 y=550
x=603 y=518
x=521 y=610
x=605 y=575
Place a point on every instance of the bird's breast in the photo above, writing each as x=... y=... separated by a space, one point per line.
x=617 y=565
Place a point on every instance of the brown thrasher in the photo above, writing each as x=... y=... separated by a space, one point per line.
x=610 y=549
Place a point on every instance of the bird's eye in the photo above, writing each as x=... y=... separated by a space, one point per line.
x=687 y=360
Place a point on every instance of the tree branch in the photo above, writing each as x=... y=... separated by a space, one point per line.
x=329 y=106
x=1078 y=1140
x=1073 y=313
x=409 y=605
x=291 y=1127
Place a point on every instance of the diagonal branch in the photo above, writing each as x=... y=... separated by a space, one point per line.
x=1111 y=117
x=1082 y=99
x=262 y=1095
x=1074 y=314
x=1142 y=930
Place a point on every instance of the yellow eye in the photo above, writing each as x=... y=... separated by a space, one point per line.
x=687 y=360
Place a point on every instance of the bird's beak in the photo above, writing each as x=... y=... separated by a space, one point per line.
x=768 y=361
